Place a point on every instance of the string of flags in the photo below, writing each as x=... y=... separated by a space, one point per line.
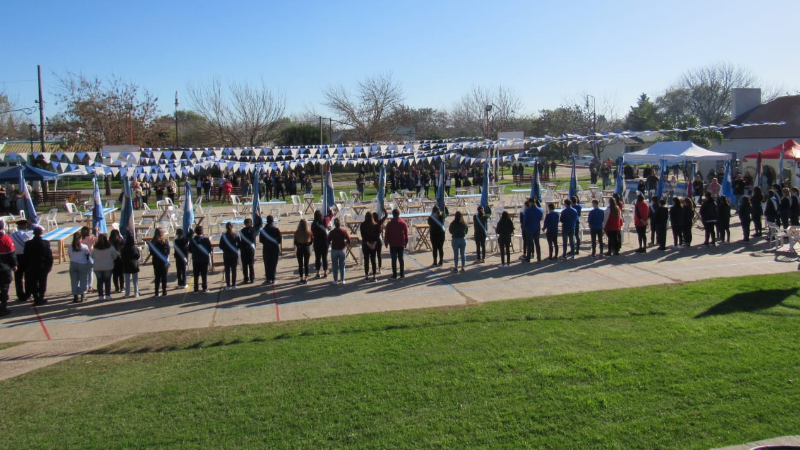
x=159 y=164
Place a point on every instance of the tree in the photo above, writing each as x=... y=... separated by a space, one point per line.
x=643 y=116
x=12 y=123
x=468 y=116
x=703 y=138
x=98 y=113
x=302 y=134
x=705 y=93
x=427 y=123
x=368 y=108
x=241 y=115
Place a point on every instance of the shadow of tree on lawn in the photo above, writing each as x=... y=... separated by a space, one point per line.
x=749 y=302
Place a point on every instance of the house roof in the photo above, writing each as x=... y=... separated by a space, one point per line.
x=786 y=109
x=25 y=147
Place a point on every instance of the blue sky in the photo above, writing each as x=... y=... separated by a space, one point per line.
x=546 y=51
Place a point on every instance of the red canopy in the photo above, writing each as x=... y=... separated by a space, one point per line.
x=791 y=151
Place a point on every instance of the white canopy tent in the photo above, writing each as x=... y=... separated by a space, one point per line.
x=673 y=152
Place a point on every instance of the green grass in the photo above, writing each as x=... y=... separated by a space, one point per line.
x=5 y=345
x=690 y=366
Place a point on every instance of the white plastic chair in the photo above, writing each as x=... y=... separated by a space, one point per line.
x=73 y=211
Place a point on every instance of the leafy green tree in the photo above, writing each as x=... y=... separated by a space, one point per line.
x=643 y=116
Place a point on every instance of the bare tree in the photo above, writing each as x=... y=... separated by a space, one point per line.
x=13 y=124
x=367 y=109
x=468 y=116
x=241 y=115
x=98 y=112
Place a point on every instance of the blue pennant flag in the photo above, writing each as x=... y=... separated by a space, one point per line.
x=188 y=209
x=27 y=202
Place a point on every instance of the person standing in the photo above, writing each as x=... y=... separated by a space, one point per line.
x=89 y=240
x=104 y=255
x=596 y=221
x=181 y=245
x=303 y=239
x=271 y=240
x=8 y=264
x=757 y=208
x=688 y=220
x=612 y=227
x=247 y=248
x=745 y=211
x=458 y=235
x=115 y=238
x=738 y=191
x=551 y=232
x=396 y=240
x=380 y=222
x=723 y=220
x=481 y=223
x=532 y=228
x=130 y=266
x=708 y=214
x=319 y=228
x=159 y=249
x=230 y=243
x=20 y=237
x=370 y=241
x=200 y=248
x=39 y=259
x=660 y=221
x=339 y=240
x=505 y=230
x=641 y=215
x=79 y=257
x=676 y=222
x=437 y=235
x=568 y=219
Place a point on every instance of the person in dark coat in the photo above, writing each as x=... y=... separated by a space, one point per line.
x=437 y=234
x=794 y=209
x=688 y=220
x=676 y=221
x=505 y=231
x=39 y=258
x=200 y=248
x=271 y=239
x=247 y=250
x=660 y=222
x=785 y=209
x=159 y=249
x=723 y=220
x=181 y=245
x=130 y=266
x=757 y=210
x=115 y=238
x=745 y=211
x=708 y=214
x=230 y=243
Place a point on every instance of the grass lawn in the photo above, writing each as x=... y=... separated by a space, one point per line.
x=5 y=345
x=689 y=366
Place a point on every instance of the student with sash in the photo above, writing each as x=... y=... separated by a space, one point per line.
x=230 y=243
x=370 y=242
x=271 y=239
x=481 y=223
x=319 y=228
x=159 y=251
x=181 y=245
x=200 y=248
x=532 y=228
x=247 y=249
x=437 y=235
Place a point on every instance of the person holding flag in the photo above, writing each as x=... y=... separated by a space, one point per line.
x=159 y=249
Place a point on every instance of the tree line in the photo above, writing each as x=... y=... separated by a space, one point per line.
x=96 y=112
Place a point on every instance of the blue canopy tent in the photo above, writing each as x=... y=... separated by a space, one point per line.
x=536 y=186
x=29 y=172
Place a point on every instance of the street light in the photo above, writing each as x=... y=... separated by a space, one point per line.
x=594 y=119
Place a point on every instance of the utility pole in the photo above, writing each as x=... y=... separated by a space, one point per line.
x=176 y=120
x=41 y=109
x=320 y=131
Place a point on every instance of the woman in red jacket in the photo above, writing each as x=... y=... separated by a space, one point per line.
x=612 y=228
x=641 y=213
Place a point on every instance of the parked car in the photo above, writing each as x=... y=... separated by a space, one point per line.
x=527 y=161
x=584 y=160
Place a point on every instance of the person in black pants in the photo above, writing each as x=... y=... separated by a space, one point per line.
x=271 y=239
x=505 y=230
x=437 y=234
x=303 y=240
x=159 y=247
x=248 y=248
x=200 y=247
x=676 y=221
x=8 y=264
x=661 y=219
x=115 y=238
x=39 y=259
x=745 y=210
x=688 y=220
x=319 y=228
x=181 y=245
x=370 y=242
x=481 y=223
x=723 y=220
x=757 y=211
x=230 y=243
x=708 y=214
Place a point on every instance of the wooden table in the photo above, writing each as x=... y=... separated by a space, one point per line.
x=355 y=242
x=356 y=195
x=422 y=236
x=58 y=236
x=309 y=209
x=400 y=201
x=359 y=209
x=353 y=225
x=106 y=211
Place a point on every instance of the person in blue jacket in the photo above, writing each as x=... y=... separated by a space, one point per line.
x=576 y=205
x=551 y=231
x=532 y=225
x=569 y=217
x=596 y=219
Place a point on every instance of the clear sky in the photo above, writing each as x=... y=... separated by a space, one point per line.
x=546 y=51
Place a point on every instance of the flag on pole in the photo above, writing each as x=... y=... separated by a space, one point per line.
x=257 y=197
x=780 y=168
x=573 y=181
x=328 y=198
x=126 y=225
x=536 y=186
x=188 y=209
x=381 y=190
x=727 y=182
x=27 y=202
x=440 y=187
x=98 y=218
x=619 y=185
x=485 y=189
x=757 y=179
x=661 y=179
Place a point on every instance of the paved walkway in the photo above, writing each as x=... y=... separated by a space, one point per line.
x=62 y=329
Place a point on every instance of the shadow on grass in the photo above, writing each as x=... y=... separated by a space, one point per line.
x=749 y=302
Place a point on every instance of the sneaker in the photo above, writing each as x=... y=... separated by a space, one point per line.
x=455 y=270
x=501 y=266
x=343 y=282
x=462 y=270
x=374 y=279
x=366 y=279
x=233 y=288
x=137 y=295
x=205 y=291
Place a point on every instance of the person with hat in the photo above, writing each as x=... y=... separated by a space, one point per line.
x=8 y=264
x=20 y=237
x=39 y=262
